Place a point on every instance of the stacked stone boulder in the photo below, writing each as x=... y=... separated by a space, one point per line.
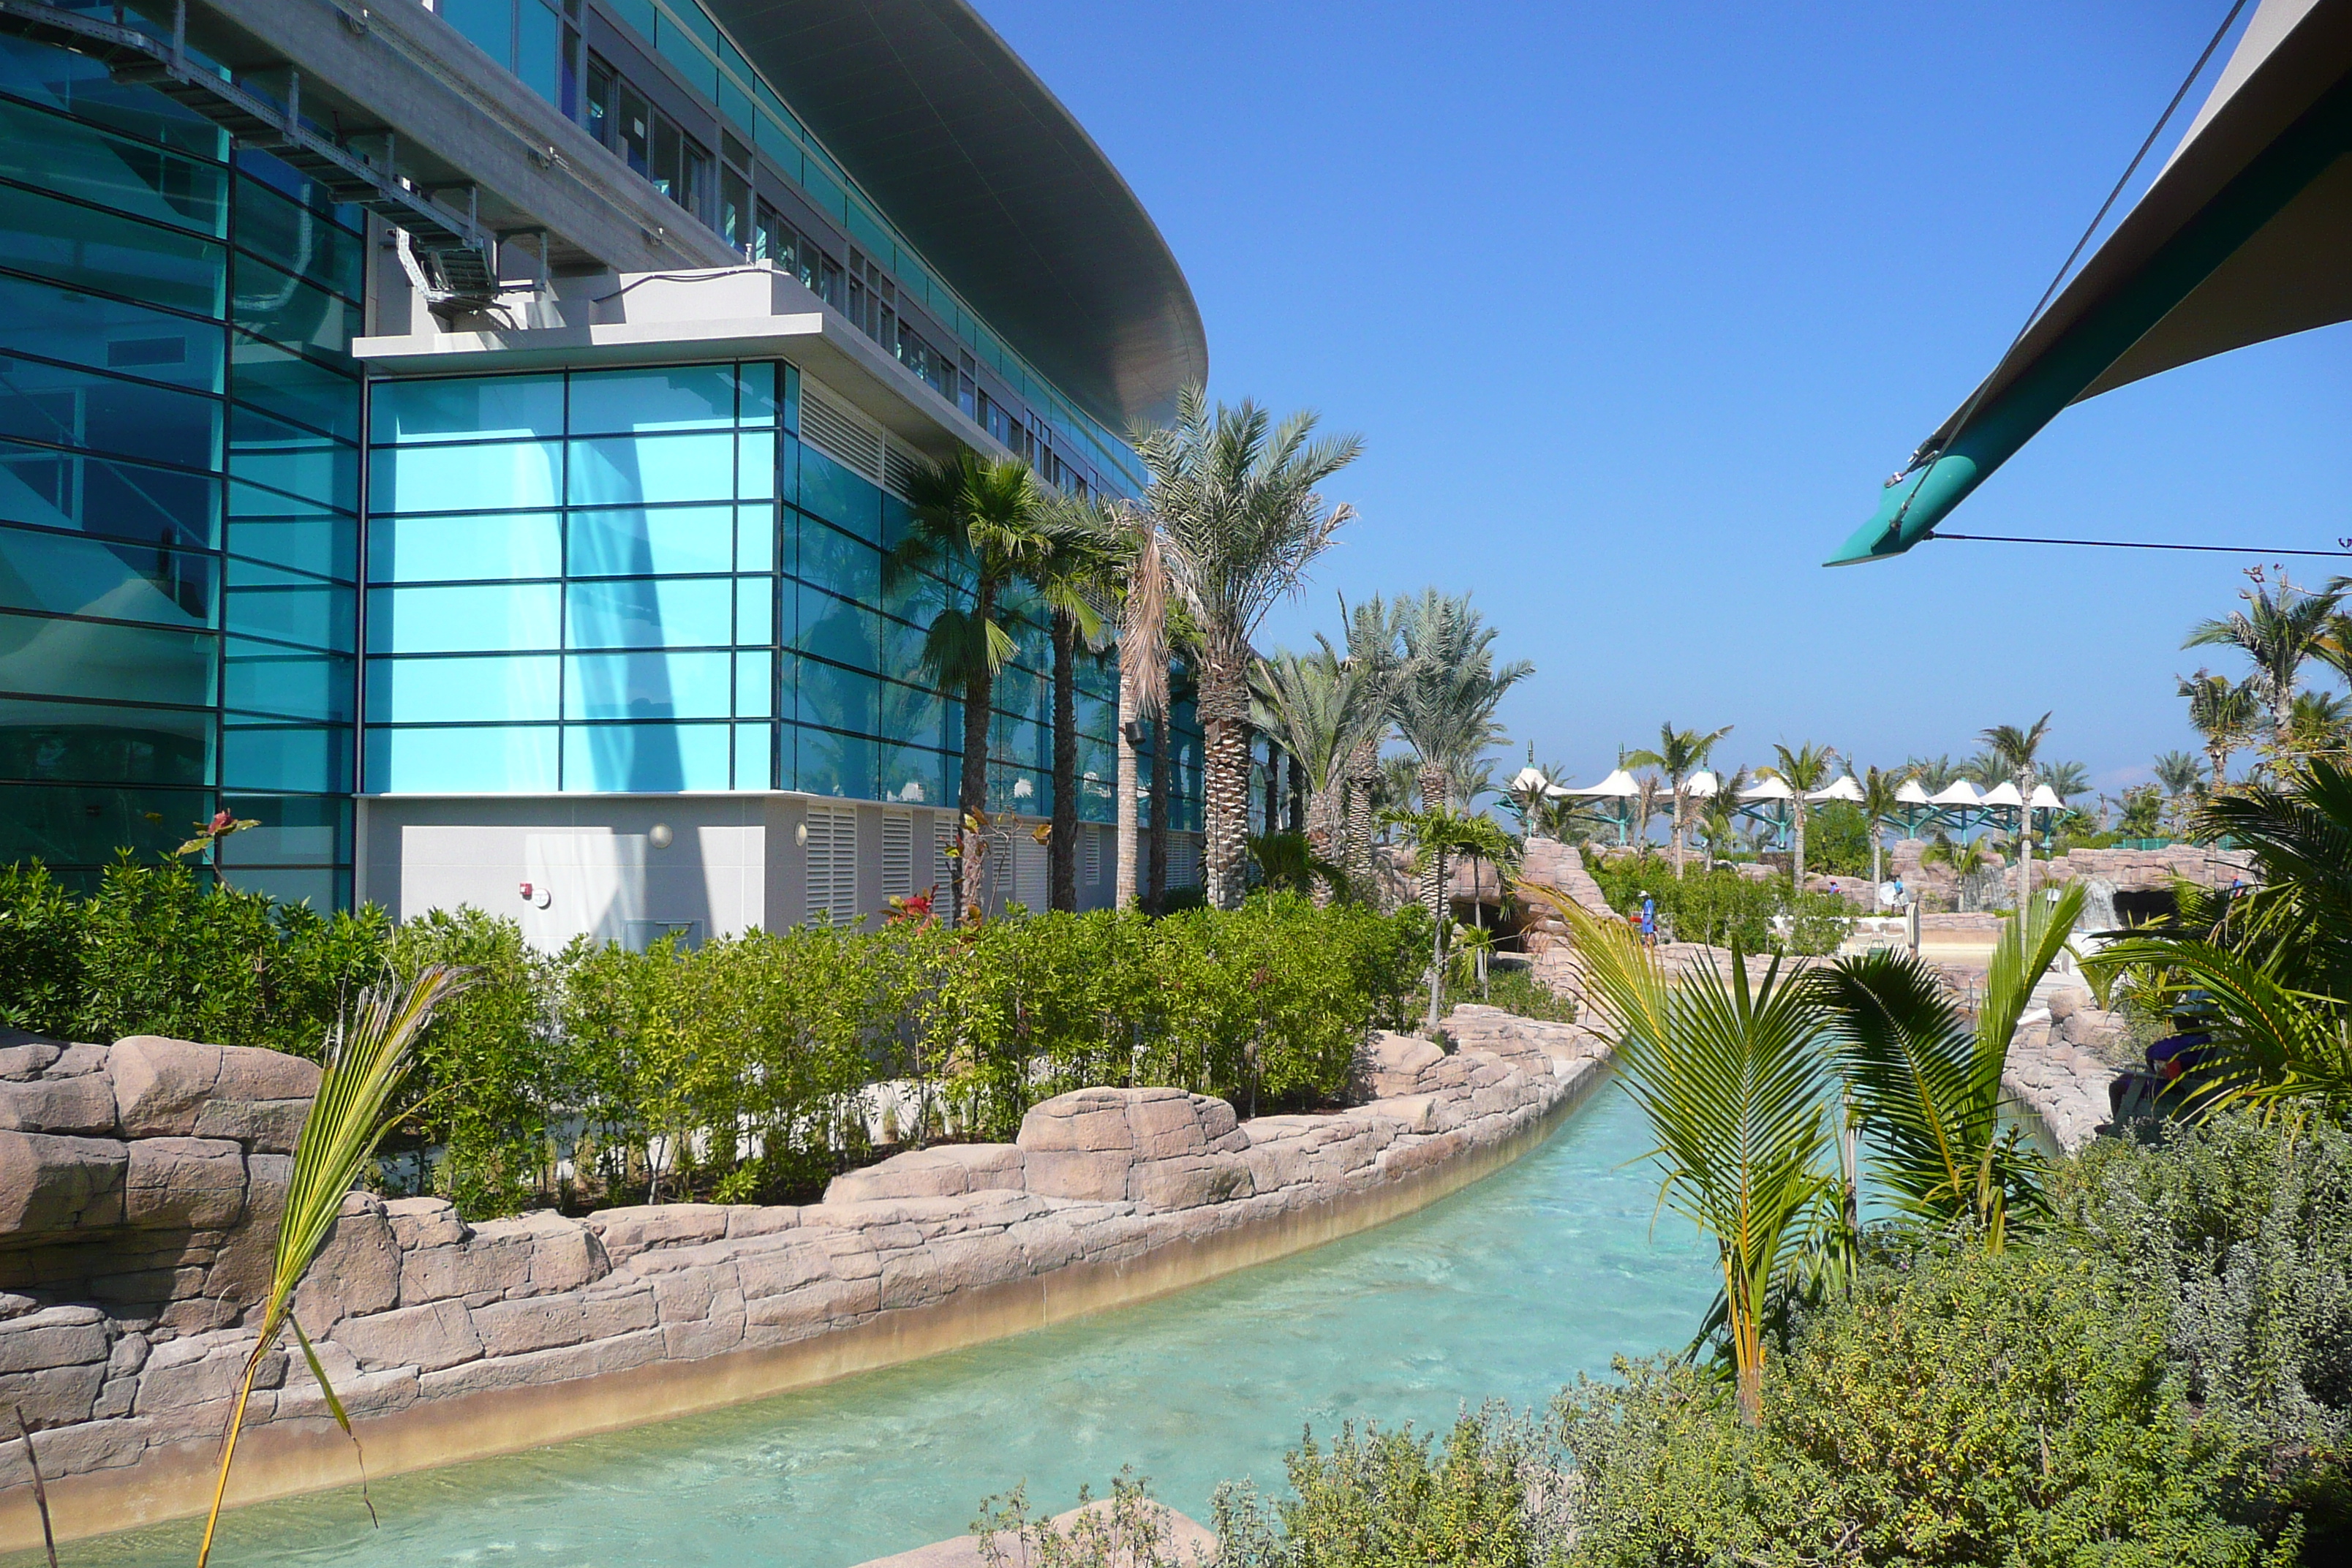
x=134 y=1269
x=2063 y=1057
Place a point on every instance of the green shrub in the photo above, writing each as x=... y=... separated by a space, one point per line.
x=40 y=952
x=1719 y=907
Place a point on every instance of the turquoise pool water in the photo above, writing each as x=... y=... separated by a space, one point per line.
x=1509 y=1288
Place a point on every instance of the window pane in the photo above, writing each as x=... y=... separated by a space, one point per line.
x=847 y=566
x=291 y=830
x=98 y=413
x=105 y=744
x=758 y=399
x=488 y=23
x=622 y=402
x=265 y=452
x=276 y=305
x=646 y=686
x=835 y=765
x=431 y=548
x=285 y=757
x=87 y=659
x=755 y=539
x=68 y=574
x=75 y=160
x=674 y=612
x=262 y=678
x=911 y=713
x=292 y=387
x=511 y=475
x=915 y=776
x=753 y=764
x=625 y=471
x=838 y=496
x=754 y=685
x=485 y=406
x=756 y=465
x=97 y=495
x=837 y=698
x=635 y=542
x=517 y=688
x=481 y=760
x=304 y=242
x=493 y=617
x=837 y=630
x=86 y=825
x=645 y=757
x=109 y=334
x=540 y=59
x=755 y=610
x=315 y=617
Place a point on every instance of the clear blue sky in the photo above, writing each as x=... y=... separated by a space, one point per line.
x=1635 y=306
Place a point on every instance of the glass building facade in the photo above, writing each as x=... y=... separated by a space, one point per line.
x=239 y=569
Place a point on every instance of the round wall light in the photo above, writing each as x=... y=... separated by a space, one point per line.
x=660 y=836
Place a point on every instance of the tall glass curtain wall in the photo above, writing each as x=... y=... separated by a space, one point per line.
x=642 y=580
x=178 y=487
x=546 y=44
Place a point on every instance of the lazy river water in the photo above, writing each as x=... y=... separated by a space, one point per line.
x=1507 y=1289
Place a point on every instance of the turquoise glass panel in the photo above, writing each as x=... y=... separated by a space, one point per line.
x=755 y=610
x=268 y=452
x=76 y=743
x=635 y=542
x=772 y=138
x=755 y=539
x=755 y=466
x=111 y=334
x=43 y=657
x=496 y=477
x=320 y=543
x=264 y=678
x=640 y=401
x=646 y=686
x=106 y=495
x=47 y=403
x=754 y=685
x=276 y=305
x=637 y=13
x=508 y=689
x=668 y=612
x=280 y=756
x=474 y=760
x=914 y=775
x=651 y=469
x=490 y=617
x=754 y=761
x=832 y=559
x=867 y=229
x=846 y=500
x=678 y=47
x=85 y=248
x=71 y=574
x=483 y=407
x=646 y=758
x=445 y=549
x=834 y=765
x=292 y=387
x=757 y=402
x=94 y=165
x=837 y=630
x=835 y=697
x=317 y=617
x=823 y=192
x=298 y=238
x=902 y=647
x=488 y=23
x=538 y=57
x=738 y=106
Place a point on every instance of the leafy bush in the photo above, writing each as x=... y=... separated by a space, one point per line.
x=1514 y=990
x=1720 y=907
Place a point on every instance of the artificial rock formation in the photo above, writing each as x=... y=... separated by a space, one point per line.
x=143 y=1188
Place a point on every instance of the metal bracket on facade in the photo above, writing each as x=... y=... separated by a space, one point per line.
x=455 y=258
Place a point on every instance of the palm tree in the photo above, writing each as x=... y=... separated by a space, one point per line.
x=2317 y=721
x=1734 y=1084
x=1681 y=752
x=1935 y=773
x=1719 y=818
x=1925 y=1081
x=1316 y=705
x=1134 y=536
x=366 y=1062
x=1445 y=691
x=2014 y=748
x=1804 y=770
x=2182 y=776
x=979 y=524
x=2279 y=631
x=1242 y=520
x=2224 y=712
x=1438 y=833
x=1080 y=571
x=1879 y=807
x=1373 y=655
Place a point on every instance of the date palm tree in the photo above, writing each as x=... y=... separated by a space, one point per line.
x=978 y=526
x=1879 y=807
x=1074 y=579
x=2282 y=628
x=1374 y=654
x=2225 y=714
x=1439 y=832
x=1317 y=707
x=1242 y=519
x=2015 y=749
x=1804 y=768
x=1445 y=693
x=2182 y=777
x=1681 y=752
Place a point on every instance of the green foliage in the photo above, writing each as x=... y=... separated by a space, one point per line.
x=1514 y=991
x=1975 y=1407
x=1721 y=907
x=40 y=951
x=1837 y=840
x=1391 y=1499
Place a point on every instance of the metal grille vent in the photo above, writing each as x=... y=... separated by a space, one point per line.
x=1030 y=881
x=943 y=838
x=899 y=467
x=832 y=879
x=897 y=854
x=840 y=432
x=1090 y=853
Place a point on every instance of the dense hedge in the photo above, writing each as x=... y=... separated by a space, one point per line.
x=1719 y=906
x=745 y=1067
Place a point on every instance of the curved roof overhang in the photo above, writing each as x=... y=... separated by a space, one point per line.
x=996 y=184
x=2240 y=237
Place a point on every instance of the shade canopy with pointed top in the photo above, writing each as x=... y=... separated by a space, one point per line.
x=1960 y=791
x=1701 y=786
x=1618 y=785
x=2239 y=238
x=1769 y=789
x=1845 y=788
x=2044 y=798
x=1912 y=793
x=2003 y=794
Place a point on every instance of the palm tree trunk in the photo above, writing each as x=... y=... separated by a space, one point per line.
x=1364 y=769
x=1123 y=886
x=1319 y=825
x=1272 y=787
x=1876 y=864
x=1797 y=807
x=1224 y=727
x=971 y=790
x=1063 y=847
x=1298 y=799
x=1162 y=776
x=1678 y=829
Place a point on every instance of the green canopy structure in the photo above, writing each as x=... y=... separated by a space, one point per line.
x=2245 y=235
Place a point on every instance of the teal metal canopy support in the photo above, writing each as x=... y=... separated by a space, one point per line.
x=1988 y=435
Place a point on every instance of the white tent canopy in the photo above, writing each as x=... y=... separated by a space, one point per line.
x=2046 y=799
x=1913 y=793
x=1769 y=789
x=1618 y=785
x=1844 y=789
x=2003 y=794
x=1960 y=791
x=1701 y=786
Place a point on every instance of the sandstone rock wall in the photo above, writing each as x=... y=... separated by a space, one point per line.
x=125 y=1374
x=2062 y=1058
